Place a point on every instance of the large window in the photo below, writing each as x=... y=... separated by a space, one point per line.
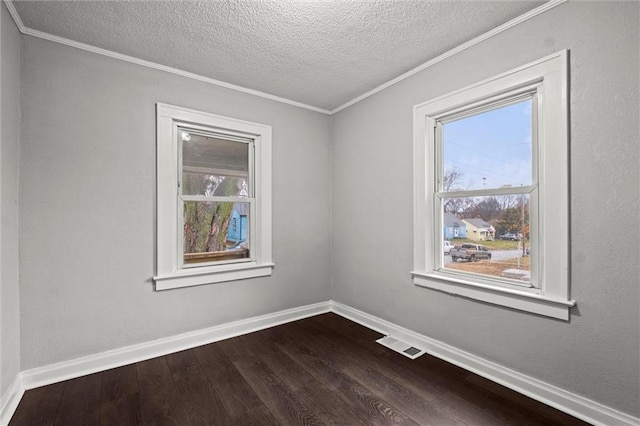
x=491 y=179
x=487 y=181
x=213 y=192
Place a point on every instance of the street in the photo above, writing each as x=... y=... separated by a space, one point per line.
x=495 y=255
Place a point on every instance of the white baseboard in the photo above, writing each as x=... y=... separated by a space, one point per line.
x=66 y=370
x=10 y=400
x=116 y=358
x=570 y=403
x=546 y=393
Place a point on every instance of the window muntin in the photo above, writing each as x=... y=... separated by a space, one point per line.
x=546 y=83
x=211 y=165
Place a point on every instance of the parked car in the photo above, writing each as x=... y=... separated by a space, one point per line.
x=470 y=252
x=447 y=246
x=509 y=237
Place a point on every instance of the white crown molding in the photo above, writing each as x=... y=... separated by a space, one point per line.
x=50 y=37
x=14 y=14
x=126 y=58
x=167 y=69
x=575 y=405
x=502 y=28
x=568 y=402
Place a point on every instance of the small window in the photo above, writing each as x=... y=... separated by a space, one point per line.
x=212 y=172
x=215 y=183
x=494 y=157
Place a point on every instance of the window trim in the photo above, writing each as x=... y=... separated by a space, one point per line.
x=170 y=271
x=548 y=76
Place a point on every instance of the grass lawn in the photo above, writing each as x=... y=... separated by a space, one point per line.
x=491 y=267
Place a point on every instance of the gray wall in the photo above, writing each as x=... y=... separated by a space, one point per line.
x=596 y=354
x=9 y=159
x=87 y=207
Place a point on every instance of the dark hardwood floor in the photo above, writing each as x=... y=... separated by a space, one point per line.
x=320 y=370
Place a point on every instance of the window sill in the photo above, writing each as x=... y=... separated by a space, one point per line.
x=213 y=274
x=512 y=298
x=213 y=256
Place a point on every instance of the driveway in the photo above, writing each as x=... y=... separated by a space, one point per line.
x=505 y=254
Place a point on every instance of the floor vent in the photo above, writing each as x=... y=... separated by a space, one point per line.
x=401 y=347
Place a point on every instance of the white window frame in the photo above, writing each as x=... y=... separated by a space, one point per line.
x=549 y=293
x=171 y=272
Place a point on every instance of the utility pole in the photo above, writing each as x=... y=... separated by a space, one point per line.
x=522 y=228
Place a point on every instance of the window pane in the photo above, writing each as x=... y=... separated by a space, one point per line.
x=215 y=231
x=490 y=235
x=489 y=150
x=214 y=167
x=214 y=185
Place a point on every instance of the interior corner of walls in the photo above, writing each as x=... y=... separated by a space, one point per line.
x=14 y=14
x=163 y=68
x=70 y=369
x=573 y=404
x=10 y=399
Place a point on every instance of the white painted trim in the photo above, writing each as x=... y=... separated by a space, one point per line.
x=164 y=68
x=549 y=237
x=212 y=275
x=460 y=48
x=568 y=402
x=504 y=27
x=10 y=400
x=575 y=405
x=123 y=356
x=78 y=367
x=14 y=14
x=171 y=272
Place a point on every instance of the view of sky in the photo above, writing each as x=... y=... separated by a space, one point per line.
x=491 y=149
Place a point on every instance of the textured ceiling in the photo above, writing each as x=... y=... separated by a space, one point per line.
x=320 y=53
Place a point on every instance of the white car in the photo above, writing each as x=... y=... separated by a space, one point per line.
x=447 y=246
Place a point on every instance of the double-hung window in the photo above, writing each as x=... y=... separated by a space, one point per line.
x=213 y=198
x=491 y=160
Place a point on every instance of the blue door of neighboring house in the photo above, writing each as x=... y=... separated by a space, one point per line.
x=237 y=227
x=451 y=232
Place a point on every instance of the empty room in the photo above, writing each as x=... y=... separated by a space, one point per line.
x=320 y=212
